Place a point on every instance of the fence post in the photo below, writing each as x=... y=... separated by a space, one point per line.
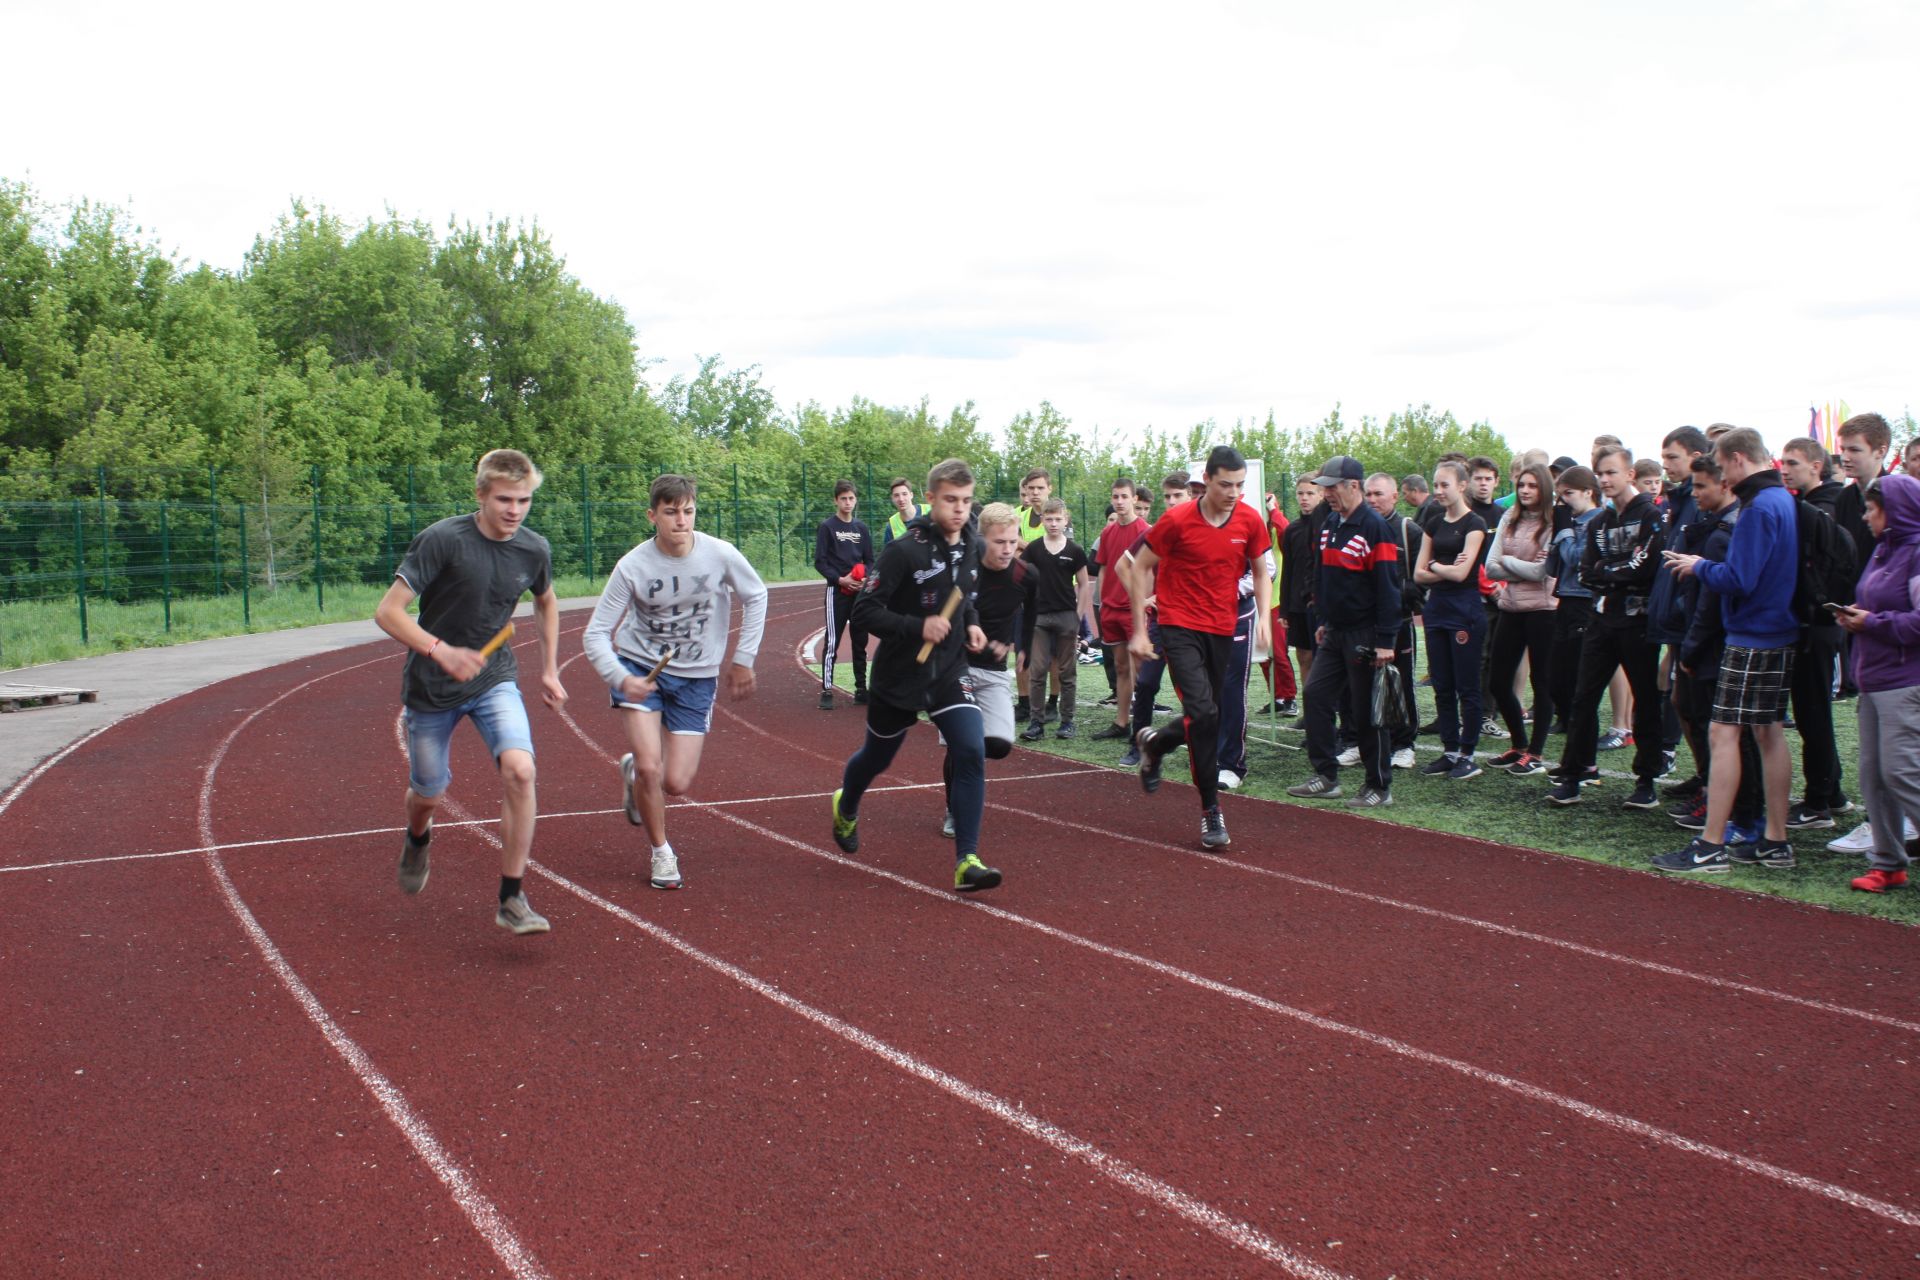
x=387 y=547
x=213 y=520
x=586 y=517
x=246 y=573
x=166 y=572
x=780 y=535
x=319 y=568
x=1084 y=526
x=80 y=567
x=413 y=521
x=803 y=491
x=736 y=505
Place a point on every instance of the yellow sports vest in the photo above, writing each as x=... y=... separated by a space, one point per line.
x=1028 y=532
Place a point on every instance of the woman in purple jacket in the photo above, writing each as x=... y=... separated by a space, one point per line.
x=1885 y=621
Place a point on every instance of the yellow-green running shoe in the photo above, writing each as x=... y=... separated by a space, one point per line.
x=971 y=874
x=846 y=831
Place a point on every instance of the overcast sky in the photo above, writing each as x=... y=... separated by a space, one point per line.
x=1561 y=219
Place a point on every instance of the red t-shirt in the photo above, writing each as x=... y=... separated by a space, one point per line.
x=1115 y=541
x=1196 y=584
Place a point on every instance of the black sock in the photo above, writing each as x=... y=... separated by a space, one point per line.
x=423 y=840
x=509 y=887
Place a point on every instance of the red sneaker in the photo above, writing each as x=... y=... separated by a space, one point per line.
x=1878 y=881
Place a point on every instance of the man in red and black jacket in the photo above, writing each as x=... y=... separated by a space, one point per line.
x=1357 y=600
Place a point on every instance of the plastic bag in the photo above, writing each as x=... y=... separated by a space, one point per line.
x=1390 y=709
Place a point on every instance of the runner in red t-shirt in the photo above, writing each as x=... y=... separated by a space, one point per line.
x=1116 y=608
x=1200 y=550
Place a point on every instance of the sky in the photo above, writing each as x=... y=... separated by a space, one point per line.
x=1561 y=220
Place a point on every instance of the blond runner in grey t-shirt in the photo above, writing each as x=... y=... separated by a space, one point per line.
x=669 y=599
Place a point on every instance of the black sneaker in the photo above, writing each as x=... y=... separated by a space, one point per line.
x=1370 y=797
x=413 y=860
x=1686 y=787
x=1775 y=855
x=1286 y=707
x=1034 y=731
x=860 y=695
x=1109 y=732
x=1463 y=768
x=1699 y=857
x=1213 y=829
x=1021 y=709
x=1108 y=701
x=1066 y=730
x=826 y=699
x=1131 y=758
x=1690 y=814
x=1438 y=768
x=1318 y=787
x=1806 y=817
x=1643 y=796
x=970 y=875
x=1565 y=792
x=846 y=831
x=1149 y=760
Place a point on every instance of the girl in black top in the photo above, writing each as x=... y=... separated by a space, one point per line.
x=1456 y=620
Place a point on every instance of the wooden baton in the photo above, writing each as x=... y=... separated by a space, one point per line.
x=661 y=665
x=500 y=637
x=947 y=611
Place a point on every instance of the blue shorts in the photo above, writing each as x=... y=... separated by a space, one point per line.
x=499 y=714
x=684 y=705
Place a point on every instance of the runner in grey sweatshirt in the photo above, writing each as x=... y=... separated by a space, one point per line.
x=668 y=601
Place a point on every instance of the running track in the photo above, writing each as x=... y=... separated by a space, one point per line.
x=232 y=1046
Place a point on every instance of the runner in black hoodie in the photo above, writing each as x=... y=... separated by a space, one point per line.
x=1622 y=553
x=901 y=603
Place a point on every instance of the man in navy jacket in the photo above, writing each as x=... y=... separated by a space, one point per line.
x=1755 y=586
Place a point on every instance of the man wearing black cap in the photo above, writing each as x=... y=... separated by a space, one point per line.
x=1358 y=601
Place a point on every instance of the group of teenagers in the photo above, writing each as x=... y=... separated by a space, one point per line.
x=1714 y=592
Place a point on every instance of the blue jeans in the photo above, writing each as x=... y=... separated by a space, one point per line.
x=499 y=715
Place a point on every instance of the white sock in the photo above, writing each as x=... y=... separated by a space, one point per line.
x=663 y=848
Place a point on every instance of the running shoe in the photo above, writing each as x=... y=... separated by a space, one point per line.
x=626 y=789
x=1229 y=780
x=1348 y=758
x=1021 y=710
x=860 y=696
x=517 y=915
x=946 y=825
x=1066 y=730
x=1108 y=701
x=666 y=869
x=1690 y=814
x=1879 y=880
x=1507 y=759
x=1213 y=830
x=1130 y=760
x=1698 y=857
x=1737 y=834
x=1464 y=767
x=1858 y=840
x=1564 y=793
x=1370 y=797
x=1775 y=855
x=1439 y=768
x=1109 y=732
x=1526 y=766
x=1615 y=739
x=1403 y=758
x=1316 y=788
x=413 y=860
x=1696 y=785
x=1288 y=707
x=1149 y=760
x=971 y=875
x=1035 y=730
x=1806 y=817
x=1491 y=728
x=826 y=700
x=1642 y=797
x=846 y=831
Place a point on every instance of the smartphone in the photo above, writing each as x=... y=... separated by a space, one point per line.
x=1831 y=607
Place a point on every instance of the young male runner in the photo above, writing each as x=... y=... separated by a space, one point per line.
x=902 y=603
x=669 y=599
x=843 y=555
x=1060 y=592
x=1148 y=673
x=468 y=572
x=1200 y=549
x=1003 y=594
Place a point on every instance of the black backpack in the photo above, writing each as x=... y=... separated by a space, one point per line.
x=1828 y=565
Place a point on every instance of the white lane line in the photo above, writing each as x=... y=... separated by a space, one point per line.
x=491 y=1224
x=1510 y=931
x=322 y=836
x=1532 y=1092
x=1240 y=1234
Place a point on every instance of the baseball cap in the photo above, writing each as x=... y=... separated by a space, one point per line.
x=1340 y=467
x=1563 y=463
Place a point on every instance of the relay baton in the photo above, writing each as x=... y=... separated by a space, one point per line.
x=500 y=637
x=661 y=665
x=946 y=611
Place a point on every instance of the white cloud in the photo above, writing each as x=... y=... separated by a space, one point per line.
x=1618 y=218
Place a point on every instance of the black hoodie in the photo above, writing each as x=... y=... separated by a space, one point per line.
x=914 y=576
x=1622 y=554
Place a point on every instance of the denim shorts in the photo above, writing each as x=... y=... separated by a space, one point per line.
x=684 y=705
x=499 y=715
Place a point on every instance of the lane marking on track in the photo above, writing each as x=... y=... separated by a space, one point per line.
x=1240 y=1234
x=487 y=1220
x=1434 y=913
x=323 y=836
x=1400 y=1048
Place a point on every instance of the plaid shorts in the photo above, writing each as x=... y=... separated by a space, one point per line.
x=1753 y=685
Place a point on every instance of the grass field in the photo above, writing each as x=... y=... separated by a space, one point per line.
x=1498 y=806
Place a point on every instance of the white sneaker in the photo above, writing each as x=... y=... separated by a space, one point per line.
x=1403 y=758
x=1349 y=758
x=1858 y=840
x=666 y=869
x=1229 y=779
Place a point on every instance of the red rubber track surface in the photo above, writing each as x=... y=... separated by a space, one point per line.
x=1265 y=1074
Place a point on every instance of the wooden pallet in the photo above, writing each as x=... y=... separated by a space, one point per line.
x=18 y=697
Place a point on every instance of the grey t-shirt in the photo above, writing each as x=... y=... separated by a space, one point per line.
x=468 y=585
